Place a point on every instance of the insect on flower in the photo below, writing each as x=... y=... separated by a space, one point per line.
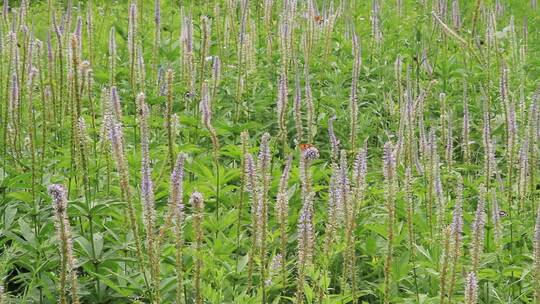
x=303 y=147
x=319 y=19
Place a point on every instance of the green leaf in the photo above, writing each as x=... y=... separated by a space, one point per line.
x=9 y=216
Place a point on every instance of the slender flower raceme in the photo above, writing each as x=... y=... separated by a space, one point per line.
x=398 y=67
x=282 y=106
x=264 y=175
x=114 y=104
x=344 y=185
x=305 y=221
x=471 y=289
x=445 y=261
x=83 y=155
x=197 y=202
x=456 y=15
x=335 y=209
x=439 y=193
x=435 y=185
x=13 y=110
x=132 y=39
x=112 y=56
x=157 y=33
x=90 y=29
x=140 y=68
x=276 y=264
x=161 y=85
x=253 y=187
x=376 y=31
x=147 y=188
x=449 y=143
x=456 y=235
x=487 y=144
x=477 y=245
x=63 y=230
x=5 y=10
x=536 y=256
x=175 y=202
x=117 y=147
x=188 y=62
x=168 y=117
x=410 y=206
x=206 y=28
x=465 y=140
x=309 y=105
x=409 y=198
x=353 y=98
x=496 y=218
x=389 y=164
x=352 y=202
x=511 y=125
x=147 y=196
x=282 y=212
x=216 y=74
x=206 y=116
x=176 y=211
x=298 y=110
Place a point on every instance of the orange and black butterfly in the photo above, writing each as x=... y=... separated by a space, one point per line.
x=319 y=19
x=303 y=147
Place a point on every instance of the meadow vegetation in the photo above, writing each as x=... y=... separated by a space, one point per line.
x=276 y=151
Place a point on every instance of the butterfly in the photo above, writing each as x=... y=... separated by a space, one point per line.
x=319 y=19
x=503 y=213
x=303 y=147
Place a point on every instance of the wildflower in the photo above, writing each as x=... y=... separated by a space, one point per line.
x=310 y=154
x=58 y=195
x=376 y=22
x=456 y=15
x=536 y=254
x=471 y=289
x=298 y=110
x=496 y=217
x=465 y=126
x=176 y=212
x=478 y=230
x=456 y=236
x=306 y=232
x=114 y=104
x=168 y=117
x=282 y=103
x=132 y=35
x=389 y=164
x=147 y=192
x=282 y=205
x=306 y=237
x=275 y=265
x=197 y=202
x=206 y=116
x=216 y=71
x=309 y=105
x=335 y=208
x=112 y=56
x=353 y=100
x=445 y=260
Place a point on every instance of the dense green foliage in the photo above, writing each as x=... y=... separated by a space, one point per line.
x=411 y=130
